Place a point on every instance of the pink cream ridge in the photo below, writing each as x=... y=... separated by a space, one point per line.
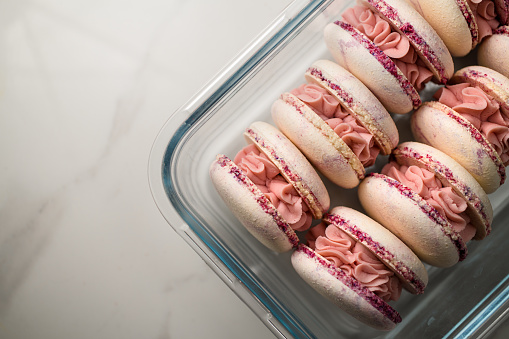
x=264 y=203
x=365 y=149
x=486 y=22
x=379 y=250
x=353 y=284
x=288 y=173
x=269 y=180
x=429 y=211
x=447 y=173
x=386 y=62
x=470 y=73
x=410 y=32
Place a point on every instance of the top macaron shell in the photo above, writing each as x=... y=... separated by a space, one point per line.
x=406 y=20
x=443 y=128
x=452 y=174
x=292 y=164
x=397 y=256
x=463 y=141
x=250 y=206
x=357 y=54
x=492 y=52
x=453 y=21
x=358 y=101
x=412 y=219
x=317 y=141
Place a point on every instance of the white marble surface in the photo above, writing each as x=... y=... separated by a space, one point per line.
x=84 y=88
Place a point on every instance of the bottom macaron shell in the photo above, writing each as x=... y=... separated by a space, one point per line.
x=251 y=207
x=344 y=291
x=439 y=126
x=411 y=219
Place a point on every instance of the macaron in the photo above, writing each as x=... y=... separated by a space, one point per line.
x=337 y=123
x=462 y=24
x=492 y=52
x=429 y=201
x=391 y=48
x=360 y=266
x=271 y=183
x=470 y=123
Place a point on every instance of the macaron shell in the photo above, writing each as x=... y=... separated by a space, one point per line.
x=381 y=242
x=358 y=100
x=357 y=54
x=452 y=174
x=406 y=20
x=292 y=164
x=441 y=127
x=492 y=52
x=411 y=219
x=250 y=206
x=317 y=141
x=448 y=19
x=344 y=291
x=489 y=80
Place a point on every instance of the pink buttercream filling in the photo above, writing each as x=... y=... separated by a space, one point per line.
x=482 y=111
x=447 y=202
x=355 y=260
x=358 y=138
x=266 y=176
x=485 y=15
x=394 y=44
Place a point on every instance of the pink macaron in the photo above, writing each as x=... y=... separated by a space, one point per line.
x=336 y=122
x=360 y=266
x=389 y=46
x=270 y=187
x=429 y=201
x=462 y=24
x=470 y=122
x=492 y=52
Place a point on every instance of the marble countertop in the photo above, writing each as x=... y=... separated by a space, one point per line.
x=85 y=87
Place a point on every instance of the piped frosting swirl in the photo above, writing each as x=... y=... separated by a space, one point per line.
x=327 y=107
x=266 y=176
x=355 y=260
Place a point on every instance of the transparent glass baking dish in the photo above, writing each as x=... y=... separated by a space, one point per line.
x=469 y=299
